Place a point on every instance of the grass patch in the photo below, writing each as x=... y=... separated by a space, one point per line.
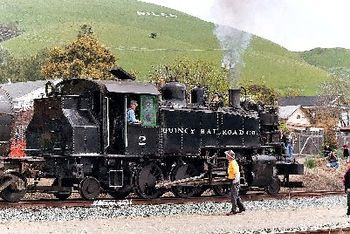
x=310 y=163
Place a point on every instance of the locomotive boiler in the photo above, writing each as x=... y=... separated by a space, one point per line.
x=80 y=138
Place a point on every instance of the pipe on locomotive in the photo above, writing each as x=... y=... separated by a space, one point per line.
x=234 y=96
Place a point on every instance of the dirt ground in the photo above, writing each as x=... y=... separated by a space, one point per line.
x=250 y=220
x=322 y=177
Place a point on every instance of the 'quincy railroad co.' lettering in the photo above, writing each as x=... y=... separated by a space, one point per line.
x=209 y=131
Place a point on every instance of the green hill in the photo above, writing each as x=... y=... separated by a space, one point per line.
x=327 y=57
x=334 y=60
x=124 y=27
x=281 y=69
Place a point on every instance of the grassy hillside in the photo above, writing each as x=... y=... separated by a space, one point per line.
x=116 y=23
x=48 y=23
x=281 y=69
x=335 y=60
x=327 y=57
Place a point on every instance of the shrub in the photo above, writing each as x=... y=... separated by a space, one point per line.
x=310 y=163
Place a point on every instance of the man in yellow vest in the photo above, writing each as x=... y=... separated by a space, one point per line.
x=234 y=177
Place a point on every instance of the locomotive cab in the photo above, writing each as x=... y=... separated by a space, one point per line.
x=142 y=137
x=133 y=138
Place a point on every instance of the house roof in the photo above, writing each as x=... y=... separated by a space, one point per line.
x=20 y=89
x=5 y=103
x=284 y=112
x=22 y=94
x=308 y=101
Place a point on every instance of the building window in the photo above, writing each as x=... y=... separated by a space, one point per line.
x=298 y=116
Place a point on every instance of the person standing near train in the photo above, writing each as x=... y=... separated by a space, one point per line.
x=234 y=177
x=346 y=150
x=346 y=181
x=290 y=150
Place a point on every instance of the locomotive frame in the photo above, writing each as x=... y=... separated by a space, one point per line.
x=80 y=138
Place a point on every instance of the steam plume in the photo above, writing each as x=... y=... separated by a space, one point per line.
x=234 y=43
x=238 y=14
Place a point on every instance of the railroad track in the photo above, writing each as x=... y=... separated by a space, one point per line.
x=324 y=231
x=46 y=203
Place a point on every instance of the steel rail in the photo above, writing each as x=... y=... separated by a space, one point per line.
x=75 y=202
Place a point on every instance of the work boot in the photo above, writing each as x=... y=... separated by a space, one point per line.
x=231 y=213
x=242 y=209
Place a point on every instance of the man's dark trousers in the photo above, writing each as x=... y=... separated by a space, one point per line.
x=235 y=199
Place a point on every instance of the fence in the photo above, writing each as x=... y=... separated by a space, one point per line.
x=307 y=142
x=312 y=142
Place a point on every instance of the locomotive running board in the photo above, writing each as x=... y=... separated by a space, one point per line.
x=292 y=184
x=192 y=181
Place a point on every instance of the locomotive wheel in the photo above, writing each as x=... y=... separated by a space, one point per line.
x=117 y=194
x=16 y=190
x=146 y=180
x=274 y=187
x=222 y=190
x=89 y=188
x=183 y=171
x=62 y=195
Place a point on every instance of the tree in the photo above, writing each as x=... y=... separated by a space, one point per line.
x=21 y=69
x=85 y=30
x=337 y=85
x=83 y=58
x=261 y=93
x=193 y=73
x=328 y=116
x=289 y=91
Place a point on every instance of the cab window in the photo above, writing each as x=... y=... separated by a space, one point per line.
x=148 y=111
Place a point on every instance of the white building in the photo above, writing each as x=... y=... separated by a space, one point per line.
x=294 y=116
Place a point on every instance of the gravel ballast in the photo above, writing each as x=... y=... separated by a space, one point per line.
x=270 y=216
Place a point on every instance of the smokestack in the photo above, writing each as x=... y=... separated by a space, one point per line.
x=234 y=96
x=198 y=96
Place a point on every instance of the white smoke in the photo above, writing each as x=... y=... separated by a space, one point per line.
x=234 y=43
x=297 y=25
x=248 y=14
x=240 y=14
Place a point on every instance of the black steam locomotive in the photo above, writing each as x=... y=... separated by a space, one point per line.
x=80 y=138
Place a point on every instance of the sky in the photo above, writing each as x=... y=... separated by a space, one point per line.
x=297 y=25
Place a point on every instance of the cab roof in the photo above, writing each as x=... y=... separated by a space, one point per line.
x=128 y=86
x=79 y=86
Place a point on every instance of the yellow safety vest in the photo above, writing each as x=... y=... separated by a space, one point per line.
x=232 y=169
